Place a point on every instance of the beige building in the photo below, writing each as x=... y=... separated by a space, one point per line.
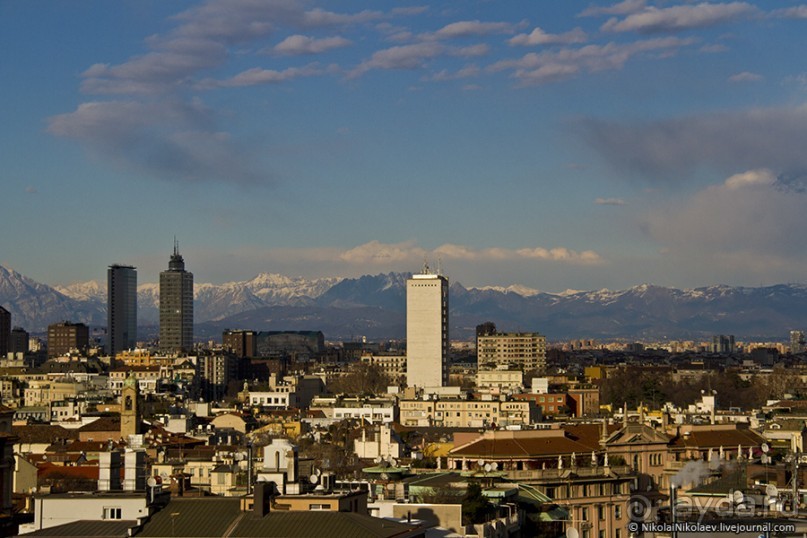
x=526 y=351
x=393 y=366
x=500 y=380
x=427 y=330
x=467 y=413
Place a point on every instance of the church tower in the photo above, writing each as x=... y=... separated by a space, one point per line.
x=129 y=409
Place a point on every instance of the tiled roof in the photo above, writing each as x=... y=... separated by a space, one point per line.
x=49 y=471
x=103 y=424
x=718 y=438
x=42 y=433
x=217 y=516
x=499 y=446
x=317 y=524
x=199 y=517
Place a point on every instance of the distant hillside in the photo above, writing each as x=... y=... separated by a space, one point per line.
x=374 y=306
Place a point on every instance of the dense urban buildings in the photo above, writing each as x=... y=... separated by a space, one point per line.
x=722 y=343
x=426 y=330
x=526 y=351
x=176 y=306
x=19 y=340
x=797 y=341
x=66 y=337
x=242 y=344
x=121 y=308
x=5 y=331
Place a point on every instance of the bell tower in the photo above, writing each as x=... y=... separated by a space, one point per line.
x=129 y=409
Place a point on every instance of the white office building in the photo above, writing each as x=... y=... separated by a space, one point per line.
x=426 y=330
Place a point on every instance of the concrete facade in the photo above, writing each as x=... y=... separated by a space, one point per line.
x=427 y=330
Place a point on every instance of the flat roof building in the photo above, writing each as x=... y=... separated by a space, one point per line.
x=427 y=330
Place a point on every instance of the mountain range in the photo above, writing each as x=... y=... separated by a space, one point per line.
x=374 y=306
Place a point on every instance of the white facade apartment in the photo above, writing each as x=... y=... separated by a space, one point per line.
x=393 y=366
x=526 y=350
x=426 y=330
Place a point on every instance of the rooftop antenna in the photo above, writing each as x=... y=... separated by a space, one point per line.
x=425 y=265
x=176 y=246
x=439 y=266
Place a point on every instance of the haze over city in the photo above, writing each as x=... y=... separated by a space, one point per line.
x=553 y=145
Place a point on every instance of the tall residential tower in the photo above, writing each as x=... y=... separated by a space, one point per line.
x=176 y=306
x=427 y=330
x=121 y=308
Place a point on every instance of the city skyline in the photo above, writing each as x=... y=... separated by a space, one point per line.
x=563 y=146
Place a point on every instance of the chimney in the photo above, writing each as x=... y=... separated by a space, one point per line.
x=262 y=498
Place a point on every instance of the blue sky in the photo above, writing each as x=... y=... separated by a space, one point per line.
x=550 y=144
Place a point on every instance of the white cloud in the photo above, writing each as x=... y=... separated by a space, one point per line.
x=621 y=8
x=751 y=178
x=473 y=28
x=745 y=76
x=375 y=252
x=674 y=149
x=751 y=217
x=540 y=37
x=257 y=76
x=200 y=40
x=682 y=17
x=466 y=72
x=549 y=66
x=610 y=201
x=472 y=50
x=796 y=12
x=402 y=57
x=300 y=44
x=169 y=140
x=714 y=48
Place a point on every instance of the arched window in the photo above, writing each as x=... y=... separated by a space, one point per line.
x=128 y=403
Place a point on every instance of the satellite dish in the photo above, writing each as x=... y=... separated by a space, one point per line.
x=480 y=462
x=151 y=482
x=393 y=462
x=377 y=460
x=738 y=497
x=495 y=466
x=571 y=532
x=765 y=459
x=488 y=467
x=313 y=478
x=765 y=448
x=239 y=457
x=319 y=472
x=771 y=490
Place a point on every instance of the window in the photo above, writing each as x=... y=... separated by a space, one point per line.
x=584 y=514
x=319 y=506
x=112 y=512
x=617 y=512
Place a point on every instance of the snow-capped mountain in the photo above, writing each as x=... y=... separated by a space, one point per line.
x=374 y=306
x=34 y=305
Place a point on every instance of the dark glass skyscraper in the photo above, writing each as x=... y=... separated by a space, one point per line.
x=176 y=306
x=5 y=331
x=121 y=308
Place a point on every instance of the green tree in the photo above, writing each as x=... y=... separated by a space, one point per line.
x=475 y=506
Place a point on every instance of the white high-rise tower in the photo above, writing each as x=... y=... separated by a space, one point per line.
x=427 y=330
